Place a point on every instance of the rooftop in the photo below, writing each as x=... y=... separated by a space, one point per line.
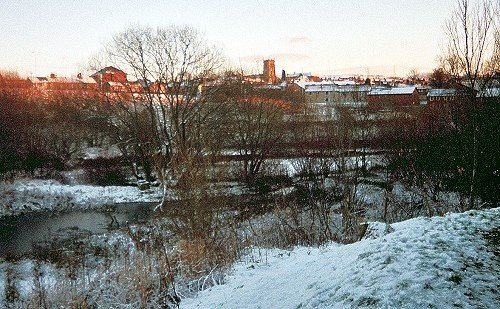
x=441 y=92
x=392 y=91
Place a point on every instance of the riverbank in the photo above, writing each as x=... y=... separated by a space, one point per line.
x=35 y=195
x=447 y=261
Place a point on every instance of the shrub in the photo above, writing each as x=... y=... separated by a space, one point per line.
x=105 y=172
x=267 y=184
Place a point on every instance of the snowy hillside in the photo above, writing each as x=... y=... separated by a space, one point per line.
x=440 y=262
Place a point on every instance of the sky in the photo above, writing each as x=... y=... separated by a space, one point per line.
x=318 y=36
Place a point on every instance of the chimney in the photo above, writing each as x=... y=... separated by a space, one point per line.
x=52 y=75
x=283 y=75
x=79 y=76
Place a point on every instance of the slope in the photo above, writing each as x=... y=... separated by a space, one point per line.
x=438 y=262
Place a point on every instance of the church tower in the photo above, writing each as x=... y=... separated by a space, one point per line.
x=269 y=75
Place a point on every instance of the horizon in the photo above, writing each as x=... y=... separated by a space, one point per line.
x=342 y=38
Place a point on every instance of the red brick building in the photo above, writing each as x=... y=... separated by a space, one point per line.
x=109 y=74
x=441 y=97
x=393 y=97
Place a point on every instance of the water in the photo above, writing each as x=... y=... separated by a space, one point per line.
x=19 y=233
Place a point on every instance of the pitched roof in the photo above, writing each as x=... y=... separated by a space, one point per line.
x=441 y=92
x=62 y=79
x=106 y=69
x=318 y=87
x=392 y=91
x=38 y=79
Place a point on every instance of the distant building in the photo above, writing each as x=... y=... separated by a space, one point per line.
x=441 y=97
x=393 y=97
x=422 y=93
x=115 y=80
x=254 y=79
x=302 y=78
x=157 y=87
x=332 y=91
x=489 y=88
x=58 y=83
x=109 y=74
x=269 y=75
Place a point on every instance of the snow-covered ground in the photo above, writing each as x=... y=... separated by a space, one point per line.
x=28 y=195
x=32 y=195
x=438 y=262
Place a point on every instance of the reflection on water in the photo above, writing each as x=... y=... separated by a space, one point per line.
x=19 y=233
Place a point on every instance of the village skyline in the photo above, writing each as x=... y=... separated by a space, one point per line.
x=320 y=37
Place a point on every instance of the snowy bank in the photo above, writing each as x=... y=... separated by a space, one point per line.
x=28 y=195
x=438 y=262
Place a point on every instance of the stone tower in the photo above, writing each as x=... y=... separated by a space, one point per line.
x=269 y=75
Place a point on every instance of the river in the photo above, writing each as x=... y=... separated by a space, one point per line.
x=19 y=233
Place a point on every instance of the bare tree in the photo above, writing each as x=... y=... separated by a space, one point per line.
x=347 y=171
x=172 y=112
x=258 y=128
x=413 y=76
x=472 y=53
x=473 y=41
x=440 y=78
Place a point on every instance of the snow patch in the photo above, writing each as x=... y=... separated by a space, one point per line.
x=29 y=195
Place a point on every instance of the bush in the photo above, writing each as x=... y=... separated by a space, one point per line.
x=105 y=172
x=267 y=184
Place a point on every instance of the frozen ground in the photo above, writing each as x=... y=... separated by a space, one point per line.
x=439 y=262
x=27 y=195
x=32 y=195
